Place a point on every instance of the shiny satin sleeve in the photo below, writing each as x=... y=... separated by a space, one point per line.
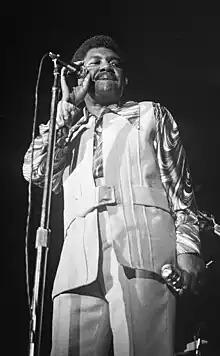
x=177 y=181
x=66 y=114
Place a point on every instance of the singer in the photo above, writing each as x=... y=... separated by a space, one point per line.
x=129 y=208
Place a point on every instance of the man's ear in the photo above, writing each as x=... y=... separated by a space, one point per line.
x=126 y=81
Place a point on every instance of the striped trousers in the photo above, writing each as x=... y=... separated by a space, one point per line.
x=134 y=313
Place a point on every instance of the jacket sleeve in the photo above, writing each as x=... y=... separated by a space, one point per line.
x=34 y=164
x=177 y=181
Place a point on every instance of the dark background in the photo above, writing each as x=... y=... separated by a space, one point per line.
x=174 y=60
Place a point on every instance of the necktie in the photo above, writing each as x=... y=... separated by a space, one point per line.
x=97 y=148
x=130 y=111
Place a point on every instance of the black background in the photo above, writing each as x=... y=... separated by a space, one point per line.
x=174 y=60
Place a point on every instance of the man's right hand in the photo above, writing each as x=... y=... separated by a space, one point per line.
x=79 y=92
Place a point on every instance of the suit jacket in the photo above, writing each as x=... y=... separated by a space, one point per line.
x=146 y=189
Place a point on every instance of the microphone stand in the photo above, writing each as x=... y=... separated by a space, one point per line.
x=43 y=232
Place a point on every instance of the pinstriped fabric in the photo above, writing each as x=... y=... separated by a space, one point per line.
x=128 y=111
x=137 y=253
x=80 y=325
x=129 y=217
x=176 y=178
x=66 y=114
x=141 y=215
x=83 y=324
x=173 y=166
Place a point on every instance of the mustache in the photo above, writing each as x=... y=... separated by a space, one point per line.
x=108 y=74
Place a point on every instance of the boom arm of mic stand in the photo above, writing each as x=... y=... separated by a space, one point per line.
x=43 y=232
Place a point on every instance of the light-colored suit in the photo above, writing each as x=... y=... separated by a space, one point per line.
x=146 y=189
x=142 y=227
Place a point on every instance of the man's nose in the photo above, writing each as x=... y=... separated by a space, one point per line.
x=105 y=66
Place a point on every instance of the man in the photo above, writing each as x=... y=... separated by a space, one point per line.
x=129 y=209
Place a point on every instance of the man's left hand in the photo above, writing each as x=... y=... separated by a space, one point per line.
x=191 y=267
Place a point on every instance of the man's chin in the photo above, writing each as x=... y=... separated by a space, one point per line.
x=106 y=98
x=106 y=94
x=102 y=86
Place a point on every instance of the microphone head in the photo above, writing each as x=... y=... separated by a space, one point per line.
x=53 y=55
x=166 y=270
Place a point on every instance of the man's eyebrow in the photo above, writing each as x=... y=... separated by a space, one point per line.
x=98 y=56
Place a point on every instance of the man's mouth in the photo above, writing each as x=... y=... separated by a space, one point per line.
x=106 y=76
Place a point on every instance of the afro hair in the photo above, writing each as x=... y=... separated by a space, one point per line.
x=96 y=42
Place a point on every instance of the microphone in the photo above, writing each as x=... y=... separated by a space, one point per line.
x=73 y=67
x=172 y=277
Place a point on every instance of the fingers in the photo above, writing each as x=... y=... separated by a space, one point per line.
x=79 y=63
x=79 y=92
x=190 y=283
x=64 y=86
x=191 y=267
x=194 y=284
x=86 y=82
x=82 y=89
x=186 y=282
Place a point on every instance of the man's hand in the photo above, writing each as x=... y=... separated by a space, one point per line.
x=79 y=92
x=191 y=267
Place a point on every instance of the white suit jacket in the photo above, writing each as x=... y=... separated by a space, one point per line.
x=144 y=189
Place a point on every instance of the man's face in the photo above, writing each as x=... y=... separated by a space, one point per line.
x=107 y=78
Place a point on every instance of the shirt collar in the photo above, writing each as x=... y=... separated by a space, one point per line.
x=129 y=110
